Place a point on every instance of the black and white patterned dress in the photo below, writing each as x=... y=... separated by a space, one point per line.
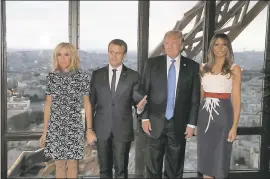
x=65 y=132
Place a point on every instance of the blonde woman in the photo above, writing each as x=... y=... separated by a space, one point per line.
x=67 y=90
x=220 y=109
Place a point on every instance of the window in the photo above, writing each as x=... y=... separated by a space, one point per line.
x=163 y=17
x=23 y=156
x=246 y=153
x=101 y=22
x=33 y=30
x=249 y=54
x=159 y=24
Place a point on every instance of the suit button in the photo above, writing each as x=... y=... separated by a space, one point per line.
x=113 y=104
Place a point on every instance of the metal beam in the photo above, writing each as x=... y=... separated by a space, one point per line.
x=180 y=25
x=265 y=139
x=227 y=14
x=248 y=18
x=208 y=26
x=22 y=136
x=142 y=55
x=3 y=98
x=74 y=19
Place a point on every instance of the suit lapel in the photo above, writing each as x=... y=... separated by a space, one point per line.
x=106 y=79
x=162 y=74
x=121 y=86
x=182 y=74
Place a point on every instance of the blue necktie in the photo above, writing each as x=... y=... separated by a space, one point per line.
x=171 y=91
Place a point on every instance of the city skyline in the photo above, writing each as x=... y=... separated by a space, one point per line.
x=118 y=19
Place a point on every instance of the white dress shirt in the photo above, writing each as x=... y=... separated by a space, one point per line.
x=177 y=69
x=118 y=73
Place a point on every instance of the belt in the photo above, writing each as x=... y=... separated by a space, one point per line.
x=217 y=95
x=211 y=101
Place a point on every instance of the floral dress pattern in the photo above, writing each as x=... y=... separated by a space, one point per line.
x=65 y=132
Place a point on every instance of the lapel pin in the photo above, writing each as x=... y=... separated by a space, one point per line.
x=185 y=65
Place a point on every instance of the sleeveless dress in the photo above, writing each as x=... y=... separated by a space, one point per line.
x=65 y=131
x=214 y=123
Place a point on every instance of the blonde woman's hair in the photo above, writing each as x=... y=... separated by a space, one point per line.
x=74 y=57
x=229 y=58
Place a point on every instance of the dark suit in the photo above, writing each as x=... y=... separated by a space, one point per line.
x=112 y=118
x=168 y=135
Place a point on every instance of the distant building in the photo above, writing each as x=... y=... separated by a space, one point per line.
x=34 y=91
x=17 y=105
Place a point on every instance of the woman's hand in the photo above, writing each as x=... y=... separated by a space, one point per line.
x=42 y=140
x=91 y=137
x=232 y=135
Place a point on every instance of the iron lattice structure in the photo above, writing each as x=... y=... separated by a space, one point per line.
x=239 y=14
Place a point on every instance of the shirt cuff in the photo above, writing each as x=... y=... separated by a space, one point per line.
x=191 y=126
x=145 y=119
x=139 y=112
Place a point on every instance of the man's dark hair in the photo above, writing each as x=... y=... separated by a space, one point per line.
x=119 y=42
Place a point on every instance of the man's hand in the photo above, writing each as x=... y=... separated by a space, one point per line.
x=189 y=132
x=146 y=125
x=142 y=103
x=195 y=131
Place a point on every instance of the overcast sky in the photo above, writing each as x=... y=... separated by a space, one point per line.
x=41 y=25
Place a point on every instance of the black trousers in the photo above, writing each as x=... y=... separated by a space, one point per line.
x=113 y=153
x=174 y=153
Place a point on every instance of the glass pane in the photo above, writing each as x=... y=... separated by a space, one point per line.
x=160 y=23
x=26 y=159
x=33 y=30
x=246 y=153
x=101 y=22
x=190 y=164
x=251 y=59
x=23 y=156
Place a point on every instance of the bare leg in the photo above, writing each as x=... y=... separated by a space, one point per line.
x=205 y=176
x=72 y=169
x=60 y=166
